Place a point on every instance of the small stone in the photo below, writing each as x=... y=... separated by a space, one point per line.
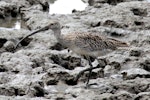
x=143 y=96
x=57 y=46
x=52 y=81
x=146 y=65
x=95 y=24
x=70 y=62
x=70 y=81
x=9 y=46
x=74 y=10
x=103 y=62
x=2 y=68
x=135 y=53
x=2 y=41
x=40 y=91
x=7 y=91
x=116 y=65
x=135 y=72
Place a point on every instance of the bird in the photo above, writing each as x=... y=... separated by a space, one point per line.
x=82 y=43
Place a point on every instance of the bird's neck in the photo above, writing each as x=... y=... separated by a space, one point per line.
x=57 y=33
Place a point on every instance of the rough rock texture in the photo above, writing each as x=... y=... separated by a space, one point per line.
x=111 y=2
x=13 y=7
x=42 y=69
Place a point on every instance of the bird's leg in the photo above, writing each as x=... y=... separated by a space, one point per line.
x=82 y=72
x=90 y=71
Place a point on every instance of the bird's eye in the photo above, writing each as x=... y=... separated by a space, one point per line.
x=52 y=24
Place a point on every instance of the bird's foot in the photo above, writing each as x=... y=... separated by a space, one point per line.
x=82 y=72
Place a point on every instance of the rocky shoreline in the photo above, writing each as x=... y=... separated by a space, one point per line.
x=41 y=69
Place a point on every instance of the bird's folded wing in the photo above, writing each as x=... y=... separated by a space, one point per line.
x=91 y=42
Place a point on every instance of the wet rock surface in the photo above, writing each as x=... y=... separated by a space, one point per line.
x=42 y=69
x=13 y=8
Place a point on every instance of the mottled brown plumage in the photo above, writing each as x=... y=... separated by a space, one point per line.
x=88 y=44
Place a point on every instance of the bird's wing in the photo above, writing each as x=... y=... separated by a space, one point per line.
x=92 y=42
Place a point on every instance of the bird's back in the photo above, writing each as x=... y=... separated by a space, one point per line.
x=91 y=44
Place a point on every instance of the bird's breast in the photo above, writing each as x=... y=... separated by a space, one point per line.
x=97 y=53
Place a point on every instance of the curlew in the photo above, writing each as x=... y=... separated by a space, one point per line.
x=82 y=43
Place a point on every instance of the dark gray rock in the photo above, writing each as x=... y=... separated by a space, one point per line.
x=42 y=69
x=7 y=10
x=135 y=53
x=136 y=72
x=9 y=46
x=146 y=65
x=143 y=96
x=111 y=2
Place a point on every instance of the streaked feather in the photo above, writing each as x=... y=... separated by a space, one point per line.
x=93 y=42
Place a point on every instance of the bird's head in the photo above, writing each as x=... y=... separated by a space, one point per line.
x=53 y=25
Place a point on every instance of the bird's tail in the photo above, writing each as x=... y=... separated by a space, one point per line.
x=122 y=44
x=118 y=43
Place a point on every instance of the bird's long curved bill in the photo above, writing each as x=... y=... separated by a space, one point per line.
x=42 y=29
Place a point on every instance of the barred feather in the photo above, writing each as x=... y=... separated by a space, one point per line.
x=91 y=44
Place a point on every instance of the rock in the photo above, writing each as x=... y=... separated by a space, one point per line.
x=57 y=46
x=39 y=91
x=111 y=2
x=68 y=62
x=43 y=3
x=95 y=24
x=2 y=68
x=7 y=10
x=81 y=94
x=52 y=81
x=116 y=65
x=143 y=96
x=139 y=12
x=134 y=86
x=135 y=53
x=7 y=91
x=103 y=62
x=41 y=69
x=37 y=61
x=13 y=9
x=146 y=64
x=117 y=96
x=2 y=42
x=136 y=72
x=9 y=46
